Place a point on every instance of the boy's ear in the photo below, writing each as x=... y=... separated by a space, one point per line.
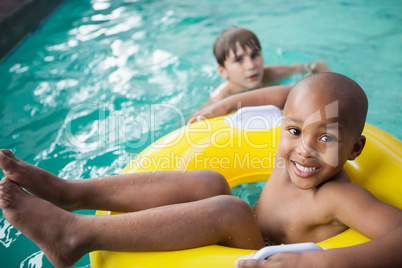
x=222 y=72
x=357 y=148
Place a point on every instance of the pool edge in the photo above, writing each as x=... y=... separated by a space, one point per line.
x=21 y=19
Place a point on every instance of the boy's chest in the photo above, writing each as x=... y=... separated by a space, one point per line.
x=292 y=217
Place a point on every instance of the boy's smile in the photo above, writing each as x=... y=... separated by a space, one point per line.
x=244 y=69
x=304 y=171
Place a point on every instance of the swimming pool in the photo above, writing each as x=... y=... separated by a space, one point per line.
x=101 y=80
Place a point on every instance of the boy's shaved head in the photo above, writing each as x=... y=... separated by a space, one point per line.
x=327 y=88
x=227 y=40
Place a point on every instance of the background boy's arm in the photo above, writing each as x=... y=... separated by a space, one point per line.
x=218 y=94
x=276 y=73
x=275 y=95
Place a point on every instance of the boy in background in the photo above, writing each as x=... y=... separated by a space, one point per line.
x=238 y=53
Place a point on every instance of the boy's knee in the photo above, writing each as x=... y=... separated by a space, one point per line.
x=237 y=223
x=215 y=183
x=235 y=209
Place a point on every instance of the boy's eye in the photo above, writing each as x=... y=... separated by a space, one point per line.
x=294 y=131
x=255 y=54
x=238 y=59
x=328 y=138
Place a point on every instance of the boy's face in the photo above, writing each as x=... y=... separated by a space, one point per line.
x=317 y=138
x=245 y=69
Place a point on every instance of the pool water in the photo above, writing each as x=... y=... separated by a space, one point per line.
x=100 y=80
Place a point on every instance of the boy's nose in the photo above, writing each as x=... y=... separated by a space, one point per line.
x=250 y=64
x=304 y=150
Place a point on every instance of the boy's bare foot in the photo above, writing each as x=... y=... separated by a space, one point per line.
x=48 y=226
x=35 y=180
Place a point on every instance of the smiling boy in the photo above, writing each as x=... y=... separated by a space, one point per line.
x=308 y=198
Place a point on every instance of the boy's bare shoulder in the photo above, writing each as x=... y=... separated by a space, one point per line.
x=348 y=204
x=339 y=186
x=340 y=196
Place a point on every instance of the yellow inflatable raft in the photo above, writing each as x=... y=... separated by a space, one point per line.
x=244 y=156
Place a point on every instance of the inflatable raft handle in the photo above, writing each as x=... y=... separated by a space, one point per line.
x=264 y=253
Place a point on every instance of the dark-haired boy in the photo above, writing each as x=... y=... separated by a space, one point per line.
x=238 y=53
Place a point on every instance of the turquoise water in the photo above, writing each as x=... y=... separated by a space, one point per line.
x=101 y=80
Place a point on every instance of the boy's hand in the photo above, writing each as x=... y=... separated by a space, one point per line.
x=213 y=110
x=273 y=95
x=321 y=67
x=286 y=259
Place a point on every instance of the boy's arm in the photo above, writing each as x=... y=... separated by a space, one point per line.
x=382 y=252
x=275 y=95
x=218 y=94
x=360 y=210
x=357 y=208
x=276 y=73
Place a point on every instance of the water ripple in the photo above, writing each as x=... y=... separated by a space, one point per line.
x=8 y=234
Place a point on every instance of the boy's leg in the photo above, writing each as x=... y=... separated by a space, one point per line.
x=65 y=237
x=128 y=192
